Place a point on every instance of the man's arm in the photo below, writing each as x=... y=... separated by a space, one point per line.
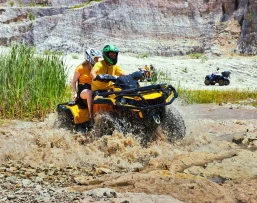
x=118 y=71
x=93 y=73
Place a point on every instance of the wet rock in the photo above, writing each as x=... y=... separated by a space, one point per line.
x=238 y=139
x=11 y=197
x=101 y=193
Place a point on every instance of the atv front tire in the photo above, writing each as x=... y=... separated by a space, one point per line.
x=207 y=82
x=104 y=124
x=227 y=82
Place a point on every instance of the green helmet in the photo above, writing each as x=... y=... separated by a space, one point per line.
x=110 y=48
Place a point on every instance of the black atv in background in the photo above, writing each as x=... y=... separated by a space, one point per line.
x=222 y=78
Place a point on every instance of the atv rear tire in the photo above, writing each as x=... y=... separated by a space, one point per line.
x=174 y=126
x=65 y=119
x=207 y=82
x=221 y=82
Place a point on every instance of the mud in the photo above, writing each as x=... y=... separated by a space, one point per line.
x=205 y=163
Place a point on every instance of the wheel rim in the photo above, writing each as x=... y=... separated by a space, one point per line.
x=207 y=82
x=221 y=82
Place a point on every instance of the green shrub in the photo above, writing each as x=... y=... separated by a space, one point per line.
x=216 y=96
x=32 y=16
x=144 y=55
x=160 y=77
x=75 y=57
x=196 y=56
x=20 y=3
x=31 y=85
x=11 y=3
x=50 y=52
x=32 y=4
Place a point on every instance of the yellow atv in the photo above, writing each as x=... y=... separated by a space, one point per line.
x=130 y=108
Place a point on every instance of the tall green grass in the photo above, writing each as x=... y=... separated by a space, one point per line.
x=31 y=85
x=218 y=96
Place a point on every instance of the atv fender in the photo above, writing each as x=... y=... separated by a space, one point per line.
x=73 y=113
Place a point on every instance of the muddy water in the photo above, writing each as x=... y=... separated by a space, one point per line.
x=213 y=111
x=42 y=143
x=204 y=161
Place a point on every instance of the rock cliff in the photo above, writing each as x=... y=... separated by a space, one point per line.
x=159 y=27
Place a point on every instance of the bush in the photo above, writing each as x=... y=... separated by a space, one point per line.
x=31 y=85
x=195 y=56
x=144 y=55
x=217 y=96
x=11 y=3
x=32 y=16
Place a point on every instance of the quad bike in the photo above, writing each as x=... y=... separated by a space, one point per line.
x=222 y=79
x=130 y=108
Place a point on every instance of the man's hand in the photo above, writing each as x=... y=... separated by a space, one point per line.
x=103 y=78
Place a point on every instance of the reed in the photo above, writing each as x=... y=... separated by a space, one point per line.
x=31 y=84
x=218 y=96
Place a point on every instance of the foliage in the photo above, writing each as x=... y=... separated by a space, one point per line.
x=31 y=85
x=32 y=4
x=77 y=6
x=196 y=56
x=51 y=52
x=20 y=3
x=11 y=3
x=82 y=5
x=160 y=76
x=93 y=0
x=217 y=96
x=32 y=16
x=75 y=57
x=144 y=55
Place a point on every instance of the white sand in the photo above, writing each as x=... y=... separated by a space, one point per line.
x=189 y=73
x=182 y=70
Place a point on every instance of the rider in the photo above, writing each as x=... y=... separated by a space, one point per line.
x=106 y=66
x=82 y=76
x=152 y=69
x=147 y=68
x=217 y=72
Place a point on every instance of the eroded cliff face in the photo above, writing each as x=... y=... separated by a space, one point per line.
x=160 y=27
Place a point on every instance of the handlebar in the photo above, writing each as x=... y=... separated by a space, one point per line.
x=105 y=78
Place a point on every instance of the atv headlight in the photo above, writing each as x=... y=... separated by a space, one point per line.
x=123 y=101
